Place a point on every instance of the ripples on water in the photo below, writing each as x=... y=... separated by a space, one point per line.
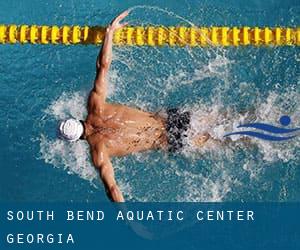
x=222 y=84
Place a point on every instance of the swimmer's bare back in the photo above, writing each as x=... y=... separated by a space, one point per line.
x=113 y=129
x=123 y=130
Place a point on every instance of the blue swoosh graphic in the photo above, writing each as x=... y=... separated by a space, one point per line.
x=269 y=128
x=261 y=136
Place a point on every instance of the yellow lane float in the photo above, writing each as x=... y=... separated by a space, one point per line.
x=152 y=35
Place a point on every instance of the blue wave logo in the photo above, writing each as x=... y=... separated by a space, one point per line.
x=279 y=133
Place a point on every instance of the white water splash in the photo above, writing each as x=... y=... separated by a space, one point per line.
x=75 y=159
x=211 y=189
x=68 y=105
x=72 y=157
x=141 y=176
x=218 y=120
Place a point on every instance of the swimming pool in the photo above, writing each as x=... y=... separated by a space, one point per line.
x=42 y=84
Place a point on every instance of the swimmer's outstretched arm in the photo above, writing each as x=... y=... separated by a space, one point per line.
x=105 y=56
x=103 y=164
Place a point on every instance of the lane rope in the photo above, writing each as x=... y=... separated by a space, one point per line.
x=152 y=35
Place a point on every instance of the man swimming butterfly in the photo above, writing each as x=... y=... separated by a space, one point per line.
x=117 y=130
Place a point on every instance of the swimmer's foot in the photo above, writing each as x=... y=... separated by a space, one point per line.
x=200 y=140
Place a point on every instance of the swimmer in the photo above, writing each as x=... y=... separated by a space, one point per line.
x=114 y=130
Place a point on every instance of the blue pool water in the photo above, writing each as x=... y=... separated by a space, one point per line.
x=42 y=84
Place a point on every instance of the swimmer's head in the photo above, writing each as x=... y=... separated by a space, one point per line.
x=70 y=130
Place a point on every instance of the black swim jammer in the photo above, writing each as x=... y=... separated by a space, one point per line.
x=177 y=124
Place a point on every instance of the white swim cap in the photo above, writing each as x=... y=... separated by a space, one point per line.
x=70 y=130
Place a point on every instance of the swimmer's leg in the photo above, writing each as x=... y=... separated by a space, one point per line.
x=200 y=140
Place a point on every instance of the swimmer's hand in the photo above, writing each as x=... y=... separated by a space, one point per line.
x=115 y=24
